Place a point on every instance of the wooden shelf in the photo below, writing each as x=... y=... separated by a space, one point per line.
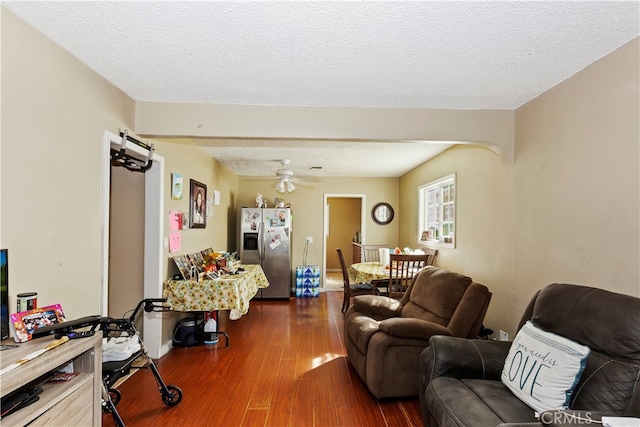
x=74 y=402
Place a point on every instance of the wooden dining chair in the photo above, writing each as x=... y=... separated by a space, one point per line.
x=402 y=268
x=431 y=253
x=349 y=288
x=371 y=253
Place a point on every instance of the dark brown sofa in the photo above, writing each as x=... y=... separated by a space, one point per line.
x=384 y=337
x=460 y=381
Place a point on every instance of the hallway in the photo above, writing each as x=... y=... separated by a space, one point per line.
x=333 y=281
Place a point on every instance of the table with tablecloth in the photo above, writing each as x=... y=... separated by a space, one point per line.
x=228 y=292
x=365 y=272
x=395 y=281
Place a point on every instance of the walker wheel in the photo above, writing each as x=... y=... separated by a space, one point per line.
x=114 y=396
x=172 y=398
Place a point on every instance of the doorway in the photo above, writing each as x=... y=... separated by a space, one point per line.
x=344 y=215
x=126 y=242
x=153 y=240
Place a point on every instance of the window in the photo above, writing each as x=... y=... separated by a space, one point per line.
x=437 y=215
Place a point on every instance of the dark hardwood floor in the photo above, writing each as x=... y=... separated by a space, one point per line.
x=285 y=366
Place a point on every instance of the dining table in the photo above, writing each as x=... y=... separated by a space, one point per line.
x=366 y=272
x=228 y=292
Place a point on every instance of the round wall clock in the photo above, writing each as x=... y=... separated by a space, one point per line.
x=382 y=213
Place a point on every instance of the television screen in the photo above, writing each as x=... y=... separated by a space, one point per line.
x=4 y=291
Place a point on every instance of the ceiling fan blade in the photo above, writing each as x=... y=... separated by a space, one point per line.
x=304 y=184
x=261 y=178
x=284 y=181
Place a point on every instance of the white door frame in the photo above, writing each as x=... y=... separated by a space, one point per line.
x=153 y=238
x=326 y=226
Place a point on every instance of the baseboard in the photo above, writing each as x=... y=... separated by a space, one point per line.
x=165 y=348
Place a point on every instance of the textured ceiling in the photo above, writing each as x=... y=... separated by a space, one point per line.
x=410 y=54
x=336 y=158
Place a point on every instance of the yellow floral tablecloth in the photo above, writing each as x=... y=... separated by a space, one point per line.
x=365 y=272
x=230 y=292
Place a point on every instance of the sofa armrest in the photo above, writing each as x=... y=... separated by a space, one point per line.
x=412 y=328
x=377 y=305
x=462 y=358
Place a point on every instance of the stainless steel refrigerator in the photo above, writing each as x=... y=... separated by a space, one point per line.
x=265 y=239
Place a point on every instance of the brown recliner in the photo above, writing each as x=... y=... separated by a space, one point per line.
x=460 y=381
x=384 y=337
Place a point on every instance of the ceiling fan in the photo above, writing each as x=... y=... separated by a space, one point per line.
x=286 y=179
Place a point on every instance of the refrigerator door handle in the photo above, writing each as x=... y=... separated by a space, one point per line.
x=261 y=247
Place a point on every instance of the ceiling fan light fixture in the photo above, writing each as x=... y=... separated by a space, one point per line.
x=280 y=187
x=290 y=187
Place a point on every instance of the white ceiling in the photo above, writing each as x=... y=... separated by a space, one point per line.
x=409 y=54
x=260 y=157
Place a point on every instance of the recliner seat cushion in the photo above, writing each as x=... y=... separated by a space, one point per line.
x=474 y=402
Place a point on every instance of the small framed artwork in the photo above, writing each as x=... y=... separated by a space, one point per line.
x=176 y=186
x=197 y=205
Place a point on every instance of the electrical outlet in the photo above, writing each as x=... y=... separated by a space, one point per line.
x=309 y=239
x=504 y=336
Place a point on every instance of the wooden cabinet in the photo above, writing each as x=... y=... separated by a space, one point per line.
x=357 y=252
x=74 y=402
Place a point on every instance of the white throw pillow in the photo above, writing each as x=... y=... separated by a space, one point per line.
x=543 y=368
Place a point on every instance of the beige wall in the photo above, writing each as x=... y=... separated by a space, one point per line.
x=185 y=158
x=566 y=210
x=54 y=113
x=484 y=220
x=577 y=179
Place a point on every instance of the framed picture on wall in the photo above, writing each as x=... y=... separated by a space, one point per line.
x=176 y=186
x=197 y=205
